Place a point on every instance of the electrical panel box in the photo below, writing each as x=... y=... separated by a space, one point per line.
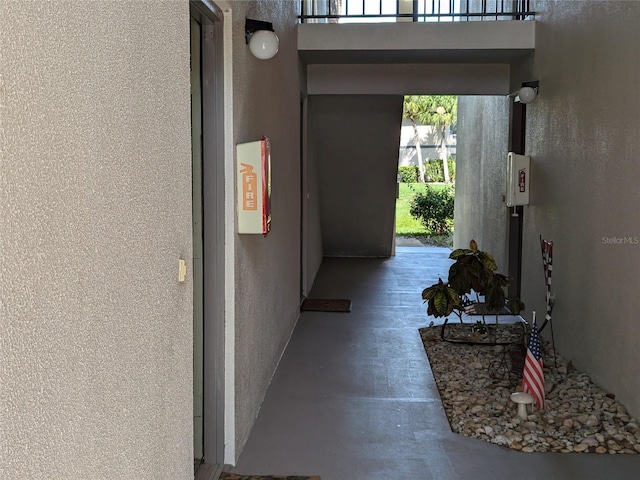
x=518 y=177
x=254 y=186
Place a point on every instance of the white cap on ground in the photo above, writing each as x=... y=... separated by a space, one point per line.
x=522 y=399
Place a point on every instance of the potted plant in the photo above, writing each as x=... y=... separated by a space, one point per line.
x=473 y=271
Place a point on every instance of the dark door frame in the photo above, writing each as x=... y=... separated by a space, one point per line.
x=515 y=220
x=211 y=18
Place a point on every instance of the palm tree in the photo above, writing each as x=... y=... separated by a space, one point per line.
x=414 y=109
x=441 y=111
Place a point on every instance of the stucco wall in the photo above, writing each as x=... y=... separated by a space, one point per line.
x=95 y=175
x=582 y=137
x=266 y=102
x=354 y=140
x=406 y=78
x=480 y=211
x=311 y=212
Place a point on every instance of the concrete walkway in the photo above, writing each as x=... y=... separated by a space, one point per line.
x=354 y=397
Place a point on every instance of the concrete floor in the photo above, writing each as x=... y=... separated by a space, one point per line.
x=354 y=397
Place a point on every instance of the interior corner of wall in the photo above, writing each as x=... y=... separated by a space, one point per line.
x=229 y=389
x=230 y=450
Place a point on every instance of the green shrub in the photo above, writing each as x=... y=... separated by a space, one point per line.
x=408 y=174
x=434 y=208
x=452 y=169
x=434 y=171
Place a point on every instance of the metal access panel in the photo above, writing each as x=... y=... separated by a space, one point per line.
x=518 y=177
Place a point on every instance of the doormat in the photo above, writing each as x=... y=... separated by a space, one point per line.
x=234 y=476
x=326 y=305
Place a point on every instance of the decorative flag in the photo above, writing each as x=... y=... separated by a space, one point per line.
x=533 y=376
x=547 y=262
x=468 y=305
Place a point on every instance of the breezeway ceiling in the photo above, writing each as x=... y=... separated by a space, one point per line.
x=464 y=58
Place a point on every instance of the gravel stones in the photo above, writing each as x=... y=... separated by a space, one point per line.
x=475 y=383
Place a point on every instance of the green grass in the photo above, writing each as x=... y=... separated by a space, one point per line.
x=406 y=225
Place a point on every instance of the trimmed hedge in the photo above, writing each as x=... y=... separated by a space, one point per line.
x=433 y=171
x=409 y=174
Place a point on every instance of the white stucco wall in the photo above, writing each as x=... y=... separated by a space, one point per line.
x=480 y=211
x=364 y=133
x=95 y=211
x=266 y=101
x=408 y=78
x=582 y=137
x=430 y=138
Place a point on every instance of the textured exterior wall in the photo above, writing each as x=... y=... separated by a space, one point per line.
x=355 y=139
x=311 y=214
x=582 y=137
x=266 y=101
x=481 y=176
x=95 y=211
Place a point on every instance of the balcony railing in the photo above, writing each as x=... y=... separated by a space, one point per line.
x=362 y=11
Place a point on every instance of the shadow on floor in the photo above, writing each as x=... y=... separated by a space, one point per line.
x=354 y=397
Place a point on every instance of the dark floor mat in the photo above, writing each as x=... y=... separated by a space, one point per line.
x=235 y=476
x=326 y=305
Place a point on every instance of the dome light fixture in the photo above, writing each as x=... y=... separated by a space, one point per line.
x=262 y=40
x=527 y=93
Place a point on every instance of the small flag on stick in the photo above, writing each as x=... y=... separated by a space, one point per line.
x=469 y=306
x=533 y=376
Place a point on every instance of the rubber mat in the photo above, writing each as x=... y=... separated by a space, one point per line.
x=326 y=305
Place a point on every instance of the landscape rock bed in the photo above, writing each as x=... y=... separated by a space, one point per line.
x=578 y=415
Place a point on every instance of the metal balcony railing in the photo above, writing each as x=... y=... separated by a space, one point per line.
x=377 y=11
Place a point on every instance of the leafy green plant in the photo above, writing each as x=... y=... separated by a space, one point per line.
x=408 y=174
x=441 y=299
x=472 y=271
x=475 y=270
x=435 y=173
x=434 y=208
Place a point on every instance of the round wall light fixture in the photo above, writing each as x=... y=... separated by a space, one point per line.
x=264 y=44
x=262 y=40
x=527 y=94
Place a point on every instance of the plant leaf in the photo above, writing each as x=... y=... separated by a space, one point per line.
x=429 y=292
x=454 y=301
x=488 y=261
x=494 y=297
x=441 y=303
x=459 y=253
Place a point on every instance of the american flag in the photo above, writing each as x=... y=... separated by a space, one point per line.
x=533 y=376
x=469 y=306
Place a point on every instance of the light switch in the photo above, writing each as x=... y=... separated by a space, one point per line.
x=182 y=270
